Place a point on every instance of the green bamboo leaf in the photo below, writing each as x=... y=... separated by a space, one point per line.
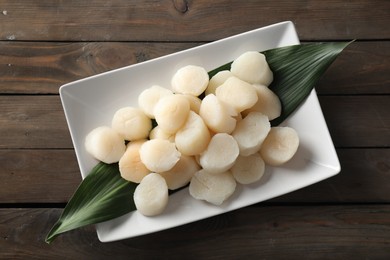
x=104 y=195
x=101 y=196
x=296 y=70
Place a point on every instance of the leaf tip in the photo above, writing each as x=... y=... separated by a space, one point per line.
x=49 y=238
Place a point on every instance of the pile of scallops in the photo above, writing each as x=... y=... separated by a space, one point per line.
x=213 y=144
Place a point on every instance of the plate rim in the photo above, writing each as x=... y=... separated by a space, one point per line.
x=63 y=91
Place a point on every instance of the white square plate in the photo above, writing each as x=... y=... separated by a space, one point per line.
x=91 y=102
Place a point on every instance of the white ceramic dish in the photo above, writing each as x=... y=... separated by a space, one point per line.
x=91 y=102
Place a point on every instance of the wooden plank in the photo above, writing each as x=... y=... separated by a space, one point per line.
x=33 y=122
x=38 y=176
x=53 y=176
x=311 y=232
x=40 y=68
x=358 y=121
x=39 y=122
x=121 y=20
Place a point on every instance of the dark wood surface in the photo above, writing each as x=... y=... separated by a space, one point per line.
x=44 y=44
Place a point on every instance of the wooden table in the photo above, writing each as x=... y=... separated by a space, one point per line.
x=44 y=44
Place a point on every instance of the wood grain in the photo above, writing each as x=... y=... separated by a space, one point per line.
x=362 y=68
x=38 y=176
x=182 y=20
x=309 y=232
x=53 y=176
x=33 y=122
x=41 y=68
x=358 y=121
